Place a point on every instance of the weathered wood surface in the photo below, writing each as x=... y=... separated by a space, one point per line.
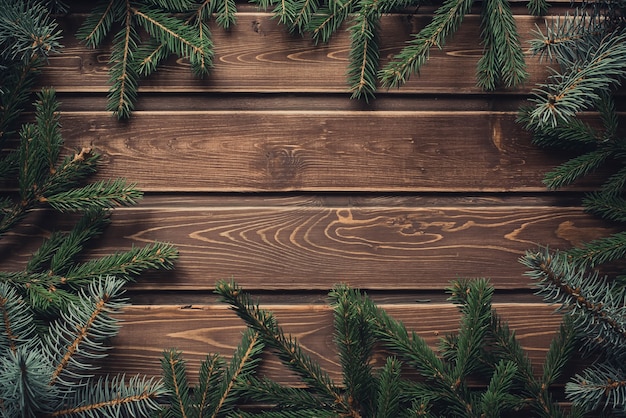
x=305 y=245
x=267 y=173
x=285 y=150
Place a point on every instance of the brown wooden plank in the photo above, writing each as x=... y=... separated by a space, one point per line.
x=259 y=55
x=302 y=248
x=199 y=330
x=256 y=150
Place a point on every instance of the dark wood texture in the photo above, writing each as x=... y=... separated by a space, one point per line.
x=267 y=173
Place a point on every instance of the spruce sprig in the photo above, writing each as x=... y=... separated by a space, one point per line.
x=362 y=329
x=286 y=347
x=50 y=374
x=173 y=27
x=220 y=385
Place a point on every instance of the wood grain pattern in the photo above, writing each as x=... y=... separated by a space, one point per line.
x=256 y=150
x=200 y=330
x=259 y=55
x=312 y=248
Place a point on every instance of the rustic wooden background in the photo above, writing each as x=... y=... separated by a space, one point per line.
x=267 y=173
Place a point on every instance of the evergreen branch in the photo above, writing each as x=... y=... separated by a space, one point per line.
x=565 y=37
x=389 y=390
x=176 y=384
x=594 y=304
x=508 y=348
x=71 y=171
x=150 y=55
x=329 y=19
x=601 y=250
x=583 y=85
x=538 y=7
x=113 y=397
x=364 y=53
x=242 y=365
x=354 y=336
x=577 y=167
x=607 y=206
x=285 y=398
x=302 y=413
x=179 y=38
x=17 y=326
x=445 y=22
x=211 y=373
x=46 y=299
x=48 y=128
x=497 y=398
x=226 y=13
x=503 y=60
x=411 y=348
x=304 y=12
x=575 y=135
x=24 y=389
x=123 y=74
x=124 y=265
x=98 y=23
x=78 y=337
x=597 y=384
x=103 y=194
x=88 y=227
x=475 y=322
x=287 y=348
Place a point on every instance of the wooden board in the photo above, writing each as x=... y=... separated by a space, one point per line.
x=254 y=150
x=199 y=330
x=259 y=55
x=311 y=245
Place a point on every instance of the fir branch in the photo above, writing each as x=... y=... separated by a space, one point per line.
x=123 y=74
x=17 y=323
x=389 y=390
x=24 y=388
x=497 y=398
x=355 y=339
x=606 y=205
x=565 y=37
x=124 y=265
x=285 y=398
x=599 y=386
x=103 y=194
x=576 y=135
x=416 y=52
x=98 y=23
x=364 y=52
x=287 y=349
x=70 y=172
x=538 y=7
x=211 y=373
x=601 y=250
x=176 y=383
x=244 y=361
x=78 y=337
x=577 y=167
x=329 y=19
x=179 y=39
x=503 y=59
x=592 y=302
x=113 y=397
x=583 y=85
x=88 y=227
x=475 y=322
